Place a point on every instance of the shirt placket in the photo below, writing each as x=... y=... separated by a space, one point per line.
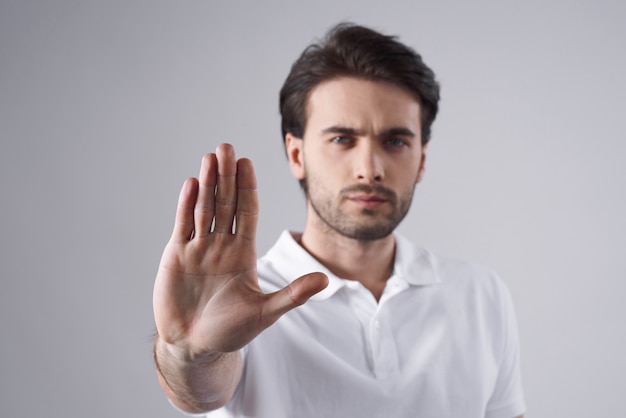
x=374 y=318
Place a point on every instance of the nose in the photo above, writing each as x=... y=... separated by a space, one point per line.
x=368 y=165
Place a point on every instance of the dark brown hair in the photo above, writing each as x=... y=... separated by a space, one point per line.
x=356 y=51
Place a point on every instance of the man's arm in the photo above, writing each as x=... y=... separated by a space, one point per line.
x=197 y=385
x=207 y=301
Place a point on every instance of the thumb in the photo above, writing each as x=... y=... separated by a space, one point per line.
x=294 y=295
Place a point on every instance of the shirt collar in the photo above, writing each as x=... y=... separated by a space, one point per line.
x=413 y=265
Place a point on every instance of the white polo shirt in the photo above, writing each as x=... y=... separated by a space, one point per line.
x=441 y=342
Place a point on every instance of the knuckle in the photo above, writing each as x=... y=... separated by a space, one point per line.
x=224 y=201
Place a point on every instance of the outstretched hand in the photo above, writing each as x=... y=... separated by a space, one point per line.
x=206 y=295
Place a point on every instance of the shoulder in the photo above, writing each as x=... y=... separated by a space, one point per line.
x=412 y=259
x=451 y=276
x=468 y=274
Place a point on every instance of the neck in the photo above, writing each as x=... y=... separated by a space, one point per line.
x=368 y=262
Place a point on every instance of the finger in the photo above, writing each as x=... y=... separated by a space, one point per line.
x=184 y=225
x=294 y=295
x=226 y=193
x=205 y=205
x=247 y=214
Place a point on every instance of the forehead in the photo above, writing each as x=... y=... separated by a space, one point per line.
x=363 y=104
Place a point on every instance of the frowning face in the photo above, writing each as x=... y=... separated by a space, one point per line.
x=361 y=156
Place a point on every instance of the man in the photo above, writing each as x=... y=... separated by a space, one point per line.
x=389 y=329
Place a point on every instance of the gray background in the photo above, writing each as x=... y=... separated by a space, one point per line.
x=106 y=107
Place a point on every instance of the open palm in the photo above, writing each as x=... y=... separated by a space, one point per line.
x=206 y=295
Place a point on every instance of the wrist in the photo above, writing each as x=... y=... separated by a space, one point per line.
x=182 y=355
x=196 y=383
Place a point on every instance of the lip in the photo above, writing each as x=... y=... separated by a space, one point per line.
x=367 y=200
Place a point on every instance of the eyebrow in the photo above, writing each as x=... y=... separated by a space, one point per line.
x=341 y=130
x=344 y=130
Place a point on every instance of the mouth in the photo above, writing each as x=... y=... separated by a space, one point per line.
x=369 y=196
x=367 y=200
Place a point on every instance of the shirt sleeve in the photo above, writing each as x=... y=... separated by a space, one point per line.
x=507 y=399
x=189 y=414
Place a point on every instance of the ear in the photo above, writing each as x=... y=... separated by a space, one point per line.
x=420 y=172
x=295 y=154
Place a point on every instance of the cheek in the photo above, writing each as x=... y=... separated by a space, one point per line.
x=403 y=171
x=319 y=179
x=323 y=168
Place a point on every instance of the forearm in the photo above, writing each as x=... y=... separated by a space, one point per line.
x=197 y=385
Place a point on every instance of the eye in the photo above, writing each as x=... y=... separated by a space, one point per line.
x=341 y=140
x=396 y=142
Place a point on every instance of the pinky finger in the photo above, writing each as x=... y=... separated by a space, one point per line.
x=184 y=224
